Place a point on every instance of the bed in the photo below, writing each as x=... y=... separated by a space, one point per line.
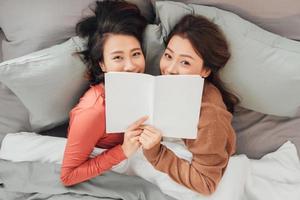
x=41 y=80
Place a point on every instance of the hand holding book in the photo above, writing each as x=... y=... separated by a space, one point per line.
x=150 y=136
x=131 y=141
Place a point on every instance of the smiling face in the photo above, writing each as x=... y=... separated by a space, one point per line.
x=181 y=58
x=122 y=53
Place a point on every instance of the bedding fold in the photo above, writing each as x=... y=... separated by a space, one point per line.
x=31 y=167
x=25 y=178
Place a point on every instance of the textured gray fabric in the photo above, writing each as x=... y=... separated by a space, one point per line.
x=2 y=135
x=27 y=33
x=37 y=24
x=259 y=134
x=254 y=71
x=48 y=82
x=44 y=179
x=58 y=131
x=280 y=17
x=1 y=38
x=154 y=47
x=13 y=114
x=5 y=195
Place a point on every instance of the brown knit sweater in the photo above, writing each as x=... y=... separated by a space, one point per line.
x=215 y=143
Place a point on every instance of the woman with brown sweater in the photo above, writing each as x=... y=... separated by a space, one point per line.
x=196 y=46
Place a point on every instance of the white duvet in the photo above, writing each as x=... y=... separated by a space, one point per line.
x=276 y=176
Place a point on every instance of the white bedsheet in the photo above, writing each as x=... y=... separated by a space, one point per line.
x=276 y=176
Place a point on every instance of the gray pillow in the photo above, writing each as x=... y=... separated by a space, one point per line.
x=48 y=82
x=1 y=38
x=153 y=45
x=1 y=56
x=14 y=115
x=259 y=134
x=255 y=71
x=280 y=17
x=32 y=25
x=2 y=135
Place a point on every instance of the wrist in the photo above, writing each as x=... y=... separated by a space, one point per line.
x=154 y=149
x=124 y=149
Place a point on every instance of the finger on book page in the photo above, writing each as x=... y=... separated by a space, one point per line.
x=135 y=133
x=137 y=123
x=150 y=128
x=148 y=133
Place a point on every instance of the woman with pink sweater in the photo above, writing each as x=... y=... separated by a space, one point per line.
x=114 y=44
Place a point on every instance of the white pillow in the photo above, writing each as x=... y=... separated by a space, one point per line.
x=264 y=70
x=48 y=82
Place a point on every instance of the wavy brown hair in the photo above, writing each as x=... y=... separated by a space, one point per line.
x=211 y=45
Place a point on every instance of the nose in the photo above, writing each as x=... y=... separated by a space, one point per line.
x=172 y=69
x=129 y=66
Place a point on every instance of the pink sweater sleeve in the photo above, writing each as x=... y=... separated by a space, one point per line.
x=86 y=127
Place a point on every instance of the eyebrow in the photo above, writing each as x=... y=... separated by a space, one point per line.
x=135 y=49
x=117 y=52
x=182 y=55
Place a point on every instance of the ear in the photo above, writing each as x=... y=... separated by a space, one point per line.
x=205 y=72
x=102 y=66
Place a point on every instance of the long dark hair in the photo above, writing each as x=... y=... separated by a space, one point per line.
x=110 y=17
x=211 y=45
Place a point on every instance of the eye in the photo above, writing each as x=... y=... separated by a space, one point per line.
x=117 y=58
x=136 y=54
x=168 y=56
x=184 y=62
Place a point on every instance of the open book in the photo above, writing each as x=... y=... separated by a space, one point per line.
x=172 y=102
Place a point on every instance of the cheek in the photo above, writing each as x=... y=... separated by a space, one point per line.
x=112 y=66
x=140 y=63
x=196 y=70
x=107 y=63
x=200 y=71
x=162 y=65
